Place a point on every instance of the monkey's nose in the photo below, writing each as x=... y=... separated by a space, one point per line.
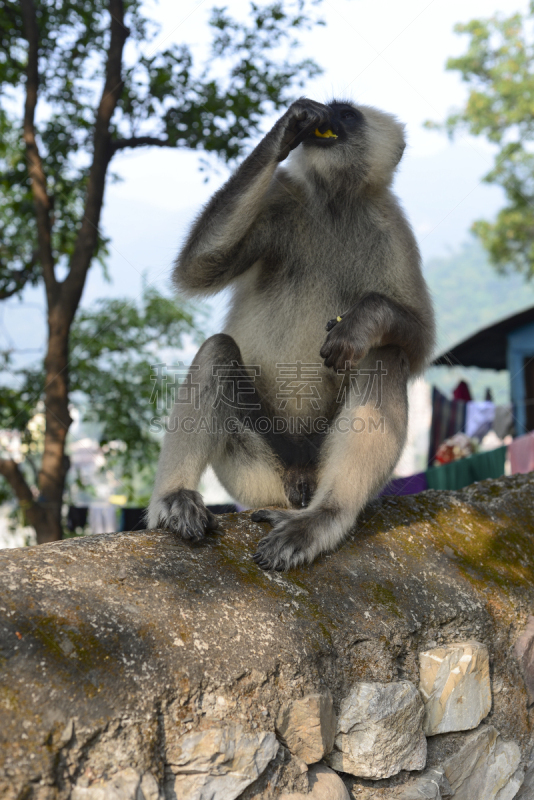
x=325 y=127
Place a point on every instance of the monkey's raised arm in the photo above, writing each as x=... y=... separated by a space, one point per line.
x=231 y=232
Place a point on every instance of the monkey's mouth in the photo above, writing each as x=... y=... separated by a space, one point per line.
x=326 y=135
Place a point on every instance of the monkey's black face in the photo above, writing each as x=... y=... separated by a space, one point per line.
x=343 y=121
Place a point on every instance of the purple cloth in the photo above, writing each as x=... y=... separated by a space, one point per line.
x=413 y=484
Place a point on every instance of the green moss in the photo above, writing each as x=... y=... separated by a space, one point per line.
x=8 y=698
x=380 y=595
x=61 y=640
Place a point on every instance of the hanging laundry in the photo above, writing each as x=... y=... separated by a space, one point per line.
x=458 y=474
x=503 y=424
x=448 y=418
x=521 y=452
x=462 y=392
x=479 y=417
x=102 y=518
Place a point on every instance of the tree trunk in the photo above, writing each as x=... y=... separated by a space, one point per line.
x=34 y=513
x=55 y=463
x=63 y=297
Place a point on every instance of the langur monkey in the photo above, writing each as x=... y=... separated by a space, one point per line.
x=308 y=234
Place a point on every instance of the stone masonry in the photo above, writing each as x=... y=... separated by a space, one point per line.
x=137 y=667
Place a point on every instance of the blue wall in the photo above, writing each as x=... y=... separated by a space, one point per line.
x=520 y=346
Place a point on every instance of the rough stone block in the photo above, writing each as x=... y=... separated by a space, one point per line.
x=526 y=791
x=324 y=784
x=124 y=785
x=524 y=650
x=484 y=768
x=455 y=687
x=428 y=786
x=379 y=731
x=431 y=785
x=220 y=762
x=511 y=789
x=308 y=726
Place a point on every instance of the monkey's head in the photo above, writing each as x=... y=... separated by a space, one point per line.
x=362 y=140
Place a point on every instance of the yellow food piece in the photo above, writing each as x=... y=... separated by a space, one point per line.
x=327 y=135
x=339 y=319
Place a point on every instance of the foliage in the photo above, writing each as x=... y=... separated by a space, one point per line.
x=498 y=68
x=114 y=347
x=167 y=99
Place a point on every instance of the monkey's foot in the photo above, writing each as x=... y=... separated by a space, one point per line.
x=290 y=543
x=182 y=512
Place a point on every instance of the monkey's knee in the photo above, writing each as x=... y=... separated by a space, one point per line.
x=218 y=349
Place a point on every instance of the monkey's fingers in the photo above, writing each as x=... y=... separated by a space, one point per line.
x=213 y=523
x=324 y=352
x=338 y=355
x=272 y=516
x=306 y=126
x=263 y=515
x=333 y=322
x=295 y=133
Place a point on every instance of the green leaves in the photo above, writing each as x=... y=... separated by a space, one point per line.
x=498 y=67
x=215 y=106
x=18 y=236
x=114 y=347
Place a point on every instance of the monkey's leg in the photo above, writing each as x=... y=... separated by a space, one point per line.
x=357 y=459
x=203 y=431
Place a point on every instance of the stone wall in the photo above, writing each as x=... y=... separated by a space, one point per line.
x=136 y=667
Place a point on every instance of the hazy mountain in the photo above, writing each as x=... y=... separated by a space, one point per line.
x=468 y=295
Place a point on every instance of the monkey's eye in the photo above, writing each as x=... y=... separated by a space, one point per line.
x=348 y=115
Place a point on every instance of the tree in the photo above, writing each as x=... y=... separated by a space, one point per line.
x=498 y=67
x=86 y=98
x=115 y=378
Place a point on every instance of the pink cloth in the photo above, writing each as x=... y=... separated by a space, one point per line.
x=521 y=452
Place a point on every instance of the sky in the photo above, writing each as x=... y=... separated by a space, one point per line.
x=384 y=53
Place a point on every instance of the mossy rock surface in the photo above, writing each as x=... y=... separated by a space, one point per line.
x=113 y=646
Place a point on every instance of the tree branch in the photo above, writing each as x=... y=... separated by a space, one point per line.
x=11 y=472
x=86 y=241
x=140 y=141
x=34 y=514
x=17 y=279
x=35 y=166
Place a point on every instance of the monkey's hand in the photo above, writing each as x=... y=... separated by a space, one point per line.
x=302 y=117
x=347 y=342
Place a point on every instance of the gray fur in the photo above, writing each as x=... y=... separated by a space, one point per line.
x=302 y=243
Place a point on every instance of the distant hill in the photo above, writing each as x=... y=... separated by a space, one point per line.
x=468 y=295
